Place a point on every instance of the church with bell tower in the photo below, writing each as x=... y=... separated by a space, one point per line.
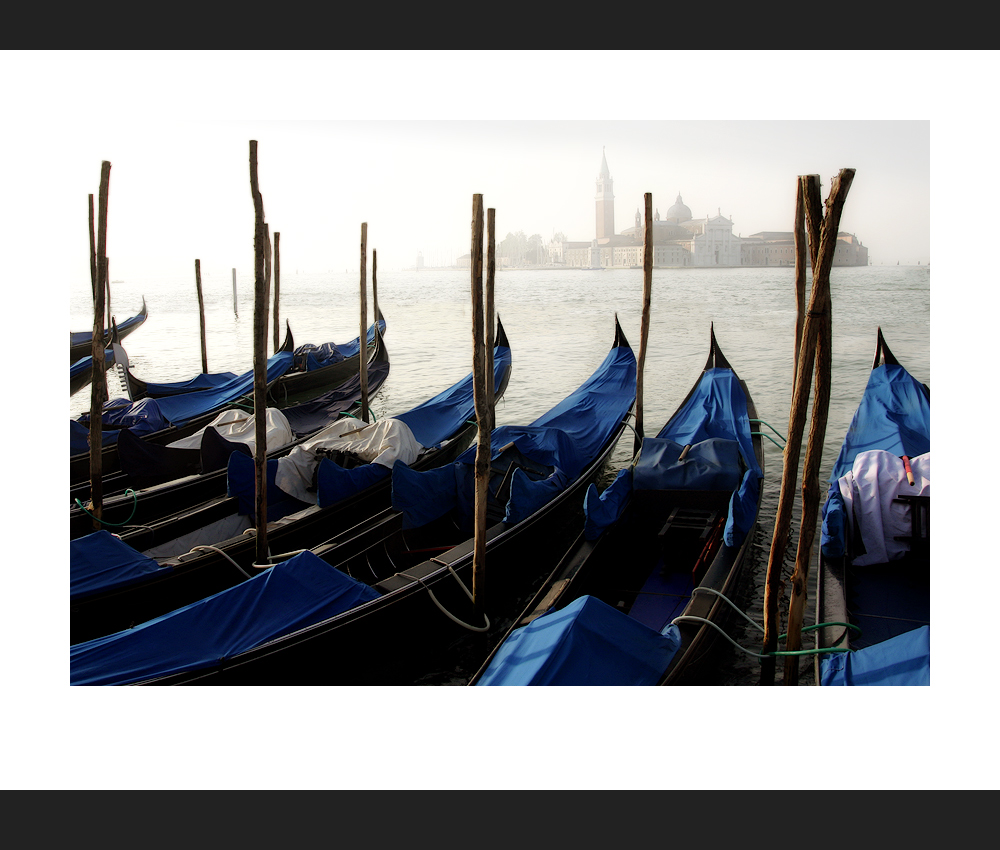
x=681 y=240
x=605 y=202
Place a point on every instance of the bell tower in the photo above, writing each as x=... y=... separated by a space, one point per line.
x=605 y=201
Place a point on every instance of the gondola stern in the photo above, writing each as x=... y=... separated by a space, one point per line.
x=620 y=341
x=501 y=341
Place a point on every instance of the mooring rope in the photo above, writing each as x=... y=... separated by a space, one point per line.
x=442 y=609
x=135 y=504
x=689 y=618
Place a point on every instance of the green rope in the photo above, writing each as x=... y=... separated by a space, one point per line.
x=769 y=425
x=762 y=434
x=135 y=504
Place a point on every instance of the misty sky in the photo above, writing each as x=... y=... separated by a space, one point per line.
x=337 y=149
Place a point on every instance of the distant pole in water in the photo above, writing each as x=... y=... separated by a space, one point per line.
x=98 y=383
x=483 y=448
x=363 y=336
x=235 y=311
x=259 y=361
x=201 y=315
x=647 y=295
x=277 y=288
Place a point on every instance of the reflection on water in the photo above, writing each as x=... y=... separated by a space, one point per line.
x=560 y=324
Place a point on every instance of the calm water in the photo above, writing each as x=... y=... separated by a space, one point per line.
x=560 y=325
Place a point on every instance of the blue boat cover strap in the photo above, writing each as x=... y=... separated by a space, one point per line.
x=101 y=561
x=901 y=660
x=586 y=643
x=289 y=596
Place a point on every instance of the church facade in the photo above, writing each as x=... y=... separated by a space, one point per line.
x=679 y=239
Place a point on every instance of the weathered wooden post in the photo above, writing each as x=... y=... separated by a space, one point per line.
x=277 y=289
x=483 y=447
x=93 y=252
x=822 y=230
x=801 y=258
x=647 y=295
x=259 y=360
x=235 y=311
x=375 y=285
x=98 y=385
x=799 y=407
x=363 y=336
x=201 y=315
x=490 y=317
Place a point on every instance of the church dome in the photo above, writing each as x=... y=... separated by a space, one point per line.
x=679 y=211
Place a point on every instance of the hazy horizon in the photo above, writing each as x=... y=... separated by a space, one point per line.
x=180 y=187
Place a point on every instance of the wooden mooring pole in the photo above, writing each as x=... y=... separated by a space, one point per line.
x=489 y=320
x=815 y=340
x=259 y=359
x=483 y=447
x=647 y=296
x=375 y=285
x=277 y=289
x=235 y=311
x=201 y=315
x=363 y=336
x=98 y=381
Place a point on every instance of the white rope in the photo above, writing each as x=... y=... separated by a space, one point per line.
x=442 y=609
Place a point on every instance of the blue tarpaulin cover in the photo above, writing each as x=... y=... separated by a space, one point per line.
x=894 y=416
x=149 y=415
x=431 y=422
x=288 y=596
x=438 y=418
x=204 y=381
x=715 y=423
x=101 y=561
x=712 y=464
x=902 y=660
x=586 y=643
x=564 y=440
x=83 y=364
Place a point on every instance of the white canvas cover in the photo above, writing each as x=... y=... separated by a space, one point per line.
x=382 y=442
x=877 y=478
x=239 y=427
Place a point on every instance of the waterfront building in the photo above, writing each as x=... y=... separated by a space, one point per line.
x=679 y=239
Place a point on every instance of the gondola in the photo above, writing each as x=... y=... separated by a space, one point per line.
x=81 y=342
x=404 y=576
x=82 y=370
x=115 y=361
x=166 y=420
x=308 y=375
x=873 y=581
x=140 y=388
x=156 y=481
x=198 y=545
x=639 y=595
